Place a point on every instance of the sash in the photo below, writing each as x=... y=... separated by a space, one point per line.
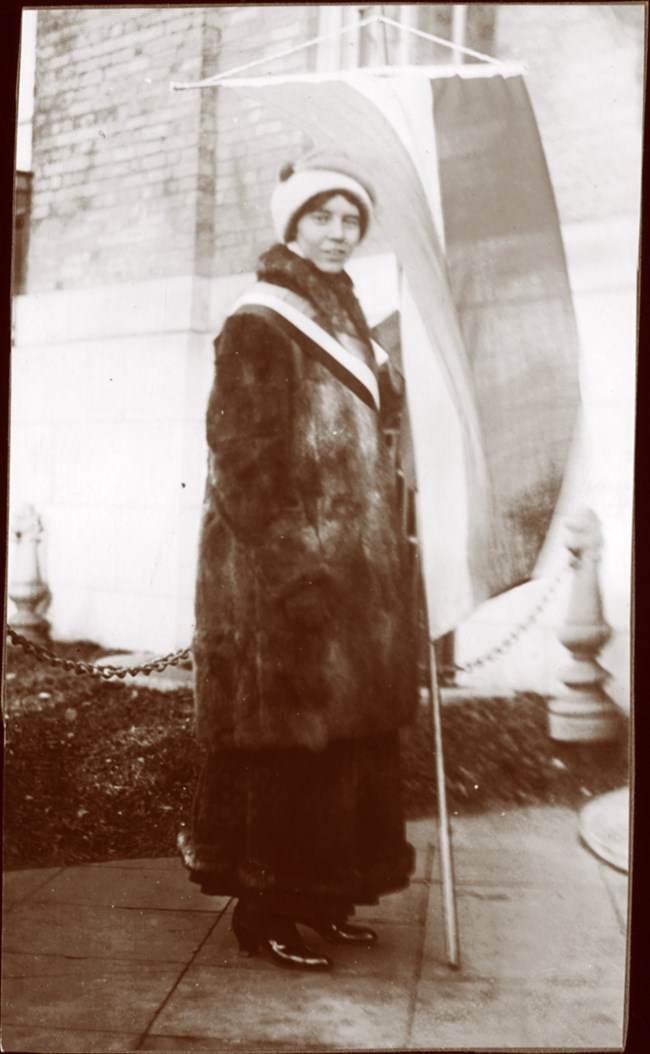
x=316 y=341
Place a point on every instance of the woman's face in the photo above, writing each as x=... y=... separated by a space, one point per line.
x=329 y=235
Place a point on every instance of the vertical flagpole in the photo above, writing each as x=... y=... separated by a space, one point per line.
x=452 y=947
x=444 y=837
x=412 y=528
x=384 y=41
x=458 y=30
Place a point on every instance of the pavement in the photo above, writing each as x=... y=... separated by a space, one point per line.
x=129 y=956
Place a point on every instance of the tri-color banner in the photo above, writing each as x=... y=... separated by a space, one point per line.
x=488 y=335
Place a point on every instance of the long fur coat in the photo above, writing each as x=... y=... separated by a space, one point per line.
x=305 y=627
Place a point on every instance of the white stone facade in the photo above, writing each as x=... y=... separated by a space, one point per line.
x=109 y=384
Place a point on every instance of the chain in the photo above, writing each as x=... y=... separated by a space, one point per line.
x=90 y=669
x=39 y=651
x=508 y=642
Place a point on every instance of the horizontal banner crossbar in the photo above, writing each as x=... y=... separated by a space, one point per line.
x=467 y=71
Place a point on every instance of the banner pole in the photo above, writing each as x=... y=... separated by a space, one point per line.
x=413 y=531
x=446 y=861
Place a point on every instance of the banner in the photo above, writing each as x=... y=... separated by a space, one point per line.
x=488 y=335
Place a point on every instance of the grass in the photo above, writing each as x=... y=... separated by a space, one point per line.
x=96 y=770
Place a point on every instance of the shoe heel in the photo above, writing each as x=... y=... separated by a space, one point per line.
x=248 y=947
x=281 y=942
x=249 y=943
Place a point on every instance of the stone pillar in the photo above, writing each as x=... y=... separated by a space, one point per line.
x=584 y=713
x=27 y=589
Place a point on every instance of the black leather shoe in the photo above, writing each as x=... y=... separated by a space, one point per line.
x=278 y=938
x=341 y=932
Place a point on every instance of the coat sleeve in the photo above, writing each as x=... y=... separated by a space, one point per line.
x=250 y=423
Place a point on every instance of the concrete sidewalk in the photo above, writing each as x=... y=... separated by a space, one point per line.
x=128 y=956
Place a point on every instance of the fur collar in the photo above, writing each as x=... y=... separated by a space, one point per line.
x=332 y=295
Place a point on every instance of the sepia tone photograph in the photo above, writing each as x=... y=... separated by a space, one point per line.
x=317 y=685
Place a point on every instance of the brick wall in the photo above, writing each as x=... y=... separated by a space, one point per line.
x=116 y=160
x=254 y=143
x=134 y=181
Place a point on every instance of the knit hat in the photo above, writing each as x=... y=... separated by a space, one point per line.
x=313 y=174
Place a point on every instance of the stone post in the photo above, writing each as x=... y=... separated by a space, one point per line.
x=27 y=589
x=583 y=712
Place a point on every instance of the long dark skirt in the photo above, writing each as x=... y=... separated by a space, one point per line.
x=305 y=832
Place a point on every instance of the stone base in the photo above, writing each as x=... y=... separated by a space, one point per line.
x=604 y=826
x=37 y=631
x=583 y=722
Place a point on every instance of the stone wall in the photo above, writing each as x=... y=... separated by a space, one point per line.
x=149 y=208
x=116 y=160
x=132 y=180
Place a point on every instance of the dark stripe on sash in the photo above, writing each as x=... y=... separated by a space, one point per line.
x=311 y=348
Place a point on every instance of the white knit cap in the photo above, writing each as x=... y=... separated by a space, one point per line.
x=313 y=175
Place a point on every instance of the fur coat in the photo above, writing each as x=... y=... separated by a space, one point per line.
x=305 y=619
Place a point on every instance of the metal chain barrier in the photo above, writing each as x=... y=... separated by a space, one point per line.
x=107 y=672
x=39 y=651
x=508 y=642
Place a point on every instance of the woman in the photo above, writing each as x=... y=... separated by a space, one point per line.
x=304 y=649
